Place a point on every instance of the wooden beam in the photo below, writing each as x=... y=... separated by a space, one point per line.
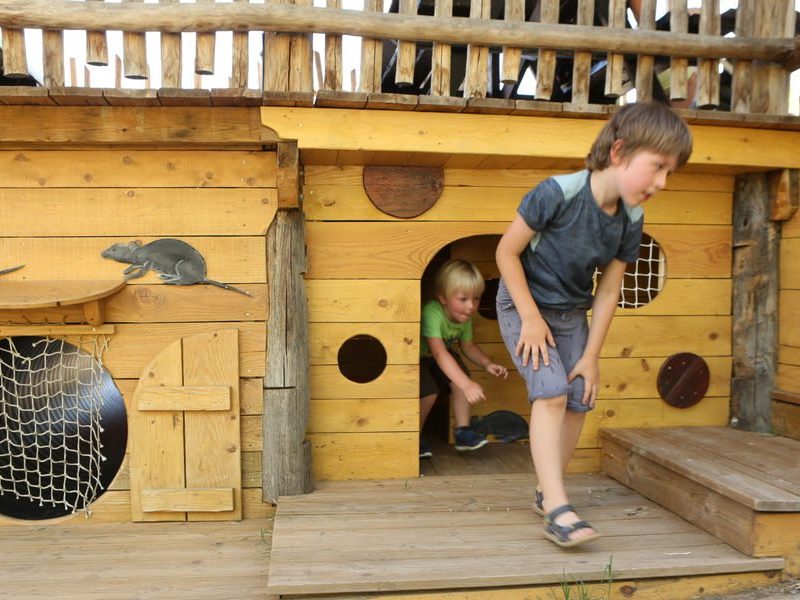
x=286 y=457
x=303 y=19
x=565 y=138
x=288 y=175
x=755 y=303
x=133 y=125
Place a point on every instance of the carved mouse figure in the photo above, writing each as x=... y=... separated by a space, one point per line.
x=11 y=270
x=177 y=262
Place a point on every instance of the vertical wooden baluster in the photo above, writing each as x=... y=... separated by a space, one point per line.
x=134 y=51
x=301 y=72
x=512 y=57
x=440 y=58
x=371 y=55
x=15 y=63
x=204 y=49
x=276 y=58
x=616 y=64
x=406 y=51
x=546 y=65
x=644 y=63
x=678 y=67
x=333 y=57
x=741 y=86
x=582 y=64
x=240 y=60
x=476 y=82
x=708 y=68
x=73 y=72
x=774 y=19
x=53 y=58
x=171 y=56
x=96 y=46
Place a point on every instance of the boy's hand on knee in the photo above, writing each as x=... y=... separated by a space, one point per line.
x=474 y=393
x=589 y=369
x=534 y=339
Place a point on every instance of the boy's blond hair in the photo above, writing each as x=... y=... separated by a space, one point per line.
x=641 y=126
x=457 y=275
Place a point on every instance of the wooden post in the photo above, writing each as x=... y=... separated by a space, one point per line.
x=286 y=454
x=406 y=51
x=546 y=65
x=240 y=59
x=53 y=58
x=301 y=71
x=476 y=81
x=582 y=64
x=644 y=62
x=276 y=58
x=770 y=81
x=333 y=57
x=15 y=63
x=678 y=23
x=741 y=87
x=440 y=57
x=512 y=56
x=96 y=46
x=170 y=56
x=371 y=55
x=708 y=68
x=616 y=62
x=755 y=302
x=134 y=52
x=204 y=49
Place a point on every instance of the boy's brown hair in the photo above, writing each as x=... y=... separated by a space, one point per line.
x=641 y=126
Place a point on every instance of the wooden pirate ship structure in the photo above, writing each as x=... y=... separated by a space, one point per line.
x=170 y=440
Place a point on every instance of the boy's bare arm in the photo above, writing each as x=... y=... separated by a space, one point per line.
x=449 y=366
x=535 y=334
x=476 y=354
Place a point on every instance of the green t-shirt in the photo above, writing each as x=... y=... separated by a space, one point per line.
x=435 y=324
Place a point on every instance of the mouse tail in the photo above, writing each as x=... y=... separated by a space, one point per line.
x=11 y=269
x=227 y=287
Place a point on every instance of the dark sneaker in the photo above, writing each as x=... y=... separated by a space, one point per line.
x=425 y=450
x=469 y=439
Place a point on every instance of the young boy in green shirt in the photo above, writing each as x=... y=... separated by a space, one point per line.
x=446 y=323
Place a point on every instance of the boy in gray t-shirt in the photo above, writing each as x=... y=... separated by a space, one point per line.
x=564 y=230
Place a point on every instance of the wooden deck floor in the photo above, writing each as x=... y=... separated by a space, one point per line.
x=467 y=532
x=141 y=561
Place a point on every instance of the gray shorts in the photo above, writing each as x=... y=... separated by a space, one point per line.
x=570 y=331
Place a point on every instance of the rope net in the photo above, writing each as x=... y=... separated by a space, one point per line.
x=50 y=420
x=645 y=278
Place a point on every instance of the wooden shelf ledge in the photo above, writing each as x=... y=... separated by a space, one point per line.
x=30 y=295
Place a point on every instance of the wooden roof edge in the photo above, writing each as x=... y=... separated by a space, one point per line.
x=38 y=96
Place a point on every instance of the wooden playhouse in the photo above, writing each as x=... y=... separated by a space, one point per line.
x=288 y=416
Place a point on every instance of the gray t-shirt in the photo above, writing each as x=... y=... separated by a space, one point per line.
x=573 y=237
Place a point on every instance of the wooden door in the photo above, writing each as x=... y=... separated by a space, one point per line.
x=185 y=451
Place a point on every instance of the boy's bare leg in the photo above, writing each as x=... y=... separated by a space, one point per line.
x=547 y=431
x=460 y=406
x=425 y=405
x=571 y=433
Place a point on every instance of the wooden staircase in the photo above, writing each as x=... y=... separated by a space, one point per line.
x=741 y=487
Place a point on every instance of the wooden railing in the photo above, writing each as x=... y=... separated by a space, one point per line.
x=584 y=56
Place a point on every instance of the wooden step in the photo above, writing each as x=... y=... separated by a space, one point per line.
x=786 y=413
x=742 y=487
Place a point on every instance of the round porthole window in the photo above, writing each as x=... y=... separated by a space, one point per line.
x=361 y=358
x=63 y=428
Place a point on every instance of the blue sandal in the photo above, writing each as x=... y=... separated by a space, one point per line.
x=560 y=534
x=538 y=503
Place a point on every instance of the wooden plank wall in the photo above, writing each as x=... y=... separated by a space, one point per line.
x=363 y=278
x=61 y=208
x=786 y=410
